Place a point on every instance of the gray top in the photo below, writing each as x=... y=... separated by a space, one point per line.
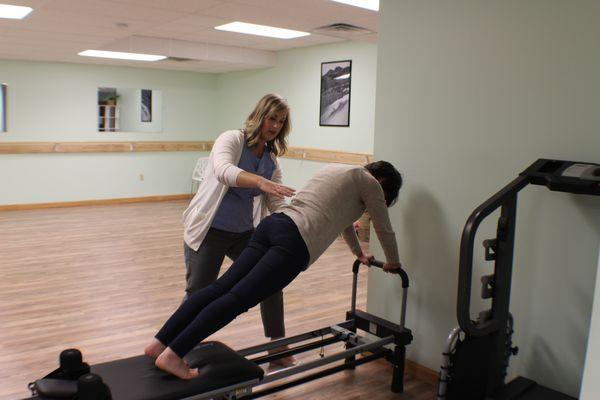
x=329 y=204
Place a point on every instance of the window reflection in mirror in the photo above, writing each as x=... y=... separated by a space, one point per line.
x=3 y=108
x=129 y=110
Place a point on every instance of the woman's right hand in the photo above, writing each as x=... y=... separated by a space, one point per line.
x=275 y=189
x=391 y=267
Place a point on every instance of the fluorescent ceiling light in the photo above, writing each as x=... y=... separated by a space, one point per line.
x=368 y=4
x=121 y=55
x=261 y=30
x=14 y=12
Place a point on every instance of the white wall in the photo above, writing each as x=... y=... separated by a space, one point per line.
x=57 y=102
x=469 y=93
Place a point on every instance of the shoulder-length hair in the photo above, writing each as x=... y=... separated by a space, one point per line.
x=389 y=178
x=267 y=106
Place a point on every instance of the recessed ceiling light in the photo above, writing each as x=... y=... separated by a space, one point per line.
x=261 y=30
x=121 y=55
x=368 y=4
x=14 y=12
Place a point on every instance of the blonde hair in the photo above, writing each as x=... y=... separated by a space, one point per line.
x=267 y=106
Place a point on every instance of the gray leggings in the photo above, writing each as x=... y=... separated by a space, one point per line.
x=202 y=269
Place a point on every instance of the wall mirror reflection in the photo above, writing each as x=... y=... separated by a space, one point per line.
x=129 y=110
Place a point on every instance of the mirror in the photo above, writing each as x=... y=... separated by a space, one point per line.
x=3 y=108
x=129 y=110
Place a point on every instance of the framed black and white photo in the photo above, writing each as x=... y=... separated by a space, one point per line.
x=335 y=93
x=146 y=109
x=3 y=107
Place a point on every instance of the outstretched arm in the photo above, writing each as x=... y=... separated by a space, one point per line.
x=375 y=202
x=227 y=172
x=249 y=180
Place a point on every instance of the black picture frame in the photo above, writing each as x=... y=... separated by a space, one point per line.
x=336 y=78
x=146 y=105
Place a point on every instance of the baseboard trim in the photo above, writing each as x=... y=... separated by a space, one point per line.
x=421 y=373
x=147 y=199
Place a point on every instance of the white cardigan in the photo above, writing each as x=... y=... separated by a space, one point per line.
x=220 y=173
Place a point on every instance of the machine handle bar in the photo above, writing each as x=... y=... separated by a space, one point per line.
x=463 y=304
x=379 y=264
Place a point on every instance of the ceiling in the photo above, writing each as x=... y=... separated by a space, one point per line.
x=182 y=29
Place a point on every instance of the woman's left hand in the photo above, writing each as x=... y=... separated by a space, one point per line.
x=366 y=259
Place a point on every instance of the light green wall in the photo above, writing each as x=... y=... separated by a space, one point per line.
x=469 y=93
x=297 y=77
x=57 y=102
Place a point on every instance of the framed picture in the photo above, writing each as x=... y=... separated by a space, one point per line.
x=146 y=109
x=335 y=93
x=3 y=107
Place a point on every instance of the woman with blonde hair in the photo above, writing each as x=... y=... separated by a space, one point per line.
x=221 y=217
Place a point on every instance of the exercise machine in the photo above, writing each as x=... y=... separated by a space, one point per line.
x=477 y=353
x=228 y=374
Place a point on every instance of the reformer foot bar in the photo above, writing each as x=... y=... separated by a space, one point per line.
x=227 y=374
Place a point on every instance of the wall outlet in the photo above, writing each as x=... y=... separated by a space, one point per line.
x=141 y=177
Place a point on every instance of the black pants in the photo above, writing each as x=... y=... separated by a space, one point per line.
x=275 y=255
x=203 y=265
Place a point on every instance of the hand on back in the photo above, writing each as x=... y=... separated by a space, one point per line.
x=275 y=189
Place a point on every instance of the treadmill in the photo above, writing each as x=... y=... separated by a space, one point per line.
x=477 y=353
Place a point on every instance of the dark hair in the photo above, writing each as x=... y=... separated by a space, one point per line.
x=389 y=178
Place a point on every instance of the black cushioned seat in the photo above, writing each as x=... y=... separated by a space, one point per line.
x=137 y=378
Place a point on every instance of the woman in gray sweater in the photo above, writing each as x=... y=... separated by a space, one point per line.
x=282 y=246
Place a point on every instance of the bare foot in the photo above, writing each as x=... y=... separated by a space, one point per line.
x=170 y=362
x=154 y=348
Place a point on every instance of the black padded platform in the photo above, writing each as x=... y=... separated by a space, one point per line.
x=137 y=378
x=525 y=389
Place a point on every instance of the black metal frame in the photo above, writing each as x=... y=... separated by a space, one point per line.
x=495 y=324
x=389 y=333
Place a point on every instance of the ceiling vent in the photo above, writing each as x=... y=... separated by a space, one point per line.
x=342 y=30
x=178 y=59
x=343 y=27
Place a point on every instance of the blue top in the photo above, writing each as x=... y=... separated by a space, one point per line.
x=235 y=213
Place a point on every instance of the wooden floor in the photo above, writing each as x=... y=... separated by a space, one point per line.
x=104 y=278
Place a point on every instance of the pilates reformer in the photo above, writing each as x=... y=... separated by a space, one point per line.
x=228 y=374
